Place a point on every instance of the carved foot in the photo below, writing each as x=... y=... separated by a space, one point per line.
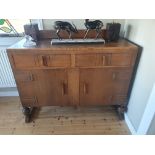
x=75 y=107
x=27 y=112
x=121 y=110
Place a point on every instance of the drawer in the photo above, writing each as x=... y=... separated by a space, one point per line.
x=55 y=60
x=86 y=60
x=24 y=60
x=121 y=59
x=24 y=76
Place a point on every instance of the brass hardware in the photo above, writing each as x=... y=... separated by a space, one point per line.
x=44 y=60
x=64 y=88
x=114 y=76
x=31 y=78
x=85 y=88
x=103 y=60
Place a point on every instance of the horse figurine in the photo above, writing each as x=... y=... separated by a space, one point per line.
x=62 y=25
x=93 y=25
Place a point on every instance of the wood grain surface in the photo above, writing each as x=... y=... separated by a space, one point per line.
x=59 y=120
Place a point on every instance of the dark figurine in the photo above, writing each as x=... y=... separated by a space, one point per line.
x=62 y=25
x=93 y=25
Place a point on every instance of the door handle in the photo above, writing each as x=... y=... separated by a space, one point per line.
x=31 y=77
x=64 y=88
x=85 y=88
x=114 y=76
x=44 y=60
x=103 y=60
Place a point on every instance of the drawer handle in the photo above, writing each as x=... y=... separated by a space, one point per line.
x=31 y=78
x=64 y=88
x=114 y=76
x=44 y=60
x=85 y=88
x=103 y=60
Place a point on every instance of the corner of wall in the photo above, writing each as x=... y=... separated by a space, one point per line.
x=129 y=124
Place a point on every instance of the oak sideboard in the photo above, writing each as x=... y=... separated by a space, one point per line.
x=73 y=75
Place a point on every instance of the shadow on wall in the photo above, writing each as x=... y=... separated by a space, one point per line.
x=128 y=31
x=140 y=49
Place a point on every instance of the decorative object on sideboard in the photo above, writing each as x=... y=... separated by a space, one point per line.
x=29 y=41
x=63 y=25
x=71 y=28
x=93 y=25
x=113 y=30
x=77 y=41
x=32 y=30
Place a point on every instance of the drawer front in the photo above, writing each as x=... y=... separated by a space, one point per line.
x=24 y=76
x=87 y=60
x=121 y=59
x=24 y=60
x=55 y=60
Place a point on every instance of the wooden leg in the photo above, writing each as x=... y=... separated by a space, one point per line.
x=75 y=107
x=121 y=109
x=27 y=111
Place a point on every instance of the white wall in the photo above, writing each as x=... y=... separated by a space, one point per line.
x=141 y=32
x=151 y=130
x=48 y=23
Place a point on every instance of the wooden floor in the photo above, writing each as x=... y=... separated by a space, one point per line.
x=60 y=120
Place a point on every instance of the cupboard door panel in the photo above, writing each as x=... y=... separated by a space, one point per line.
x=27 y=86
x=52 y=87
x=99 y=86
x=24 y=76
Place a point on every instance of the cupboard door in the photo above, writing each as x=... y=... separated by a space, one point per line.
x=27 y=86
x=100 y=86
x=52 y=87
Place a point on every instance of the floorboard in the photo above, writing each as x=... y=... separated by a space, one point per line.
x=59 y=120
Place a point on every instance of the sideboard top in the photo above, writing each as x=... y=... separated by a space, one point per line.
x=46 y=45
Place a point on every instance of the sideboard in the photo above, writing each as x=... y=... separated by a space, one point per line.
x=73 y=75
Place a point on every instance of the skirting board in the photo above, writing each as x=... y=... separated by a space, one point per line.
x=9 y=93
x=129 y=124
